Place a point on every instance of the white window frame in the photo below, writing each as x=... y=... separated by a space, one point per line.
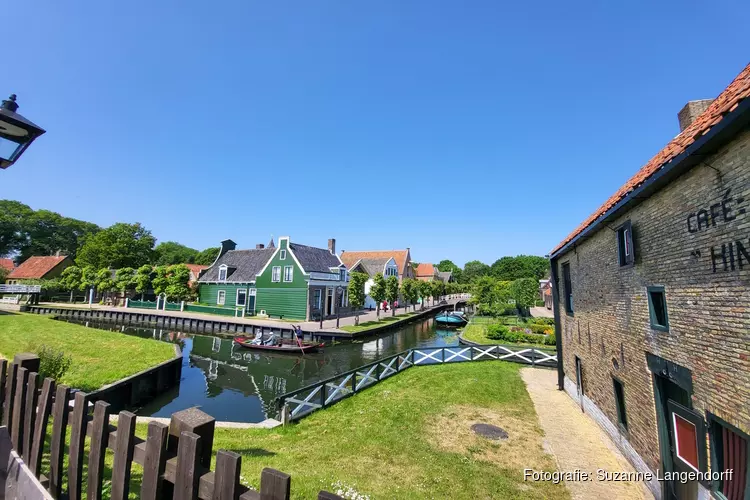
x=282 y=254
x=319 y=294
x=221 y=297
x=274 y=277
x=237 y=297
x=224 y=269
x=291 y=274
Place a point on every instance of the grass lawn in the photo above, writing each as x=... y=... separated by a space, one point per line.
x=476 y=331
x=99 y=357
x=385 y=319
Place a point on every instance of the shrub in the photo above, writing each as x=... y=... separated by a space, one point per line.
x=538 y=329
x=52 y=363
x=497 y=332
x=542 y=321
x=550 y=339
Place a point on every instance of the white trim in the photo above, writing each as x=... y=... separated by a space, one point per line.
x=326 y=283
x=273 y=272
x=291 y=274
x=219 y=294
x=224 y=268
x=289 y=251
x=282 y=254
x=237 y=297
x=675 y=416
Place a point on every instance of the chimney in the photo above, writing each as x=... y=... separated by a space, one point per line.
x=332 y=246
x=226 y=246
x=691 y=111
x=260 y=246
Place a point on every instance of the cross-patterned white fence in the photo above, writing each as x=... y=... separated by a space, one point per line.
x=301 y=402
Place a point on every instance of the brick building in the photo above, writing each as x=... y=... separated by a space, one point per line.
x=652 y=305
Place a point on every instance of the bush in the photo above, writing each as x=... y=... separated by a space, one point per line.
x=538 y=329
x=542 y=321
x=550 y=339
x=518 y=334
x=53 y=364
x=497 y=332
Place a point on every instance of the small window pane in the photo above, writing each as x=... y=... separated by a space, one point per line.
x=223 y=274
x=288 y=270
x=241 y=297
x=657 y=303
x=221 y=297
x=276 y=274
x=622 y=418
x=568 y=288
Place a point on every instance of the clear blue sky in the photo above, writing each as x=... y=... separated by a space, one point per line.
x=464 y=130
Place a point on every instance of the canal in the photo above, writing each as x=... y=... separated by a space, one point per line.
x=235 y=384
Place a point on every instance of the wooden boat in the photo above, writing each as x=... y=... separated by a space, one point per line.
x=451 y=319
x=287 y=345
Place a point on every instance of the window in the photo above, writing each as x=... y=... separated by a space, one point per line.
x=276 y=274
x=625 y=252
x=288 y=273
x=342 y=275
x=568 y=288
x=223 y=273
x=282 y=254
x=729 y=451
x=241 y=297
x=657 y=308
x=622 y=418
x=316 y=299
x=221 y=297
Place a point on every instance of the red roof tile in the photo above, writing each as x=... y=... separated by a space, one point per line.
x=727 y=102
x=7 y=264
x=36 y=267
x=400 y=256
x=196 y=269
x=425 y=270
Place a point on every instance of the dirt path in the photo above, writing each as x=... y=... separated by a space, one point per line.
x=577 y=442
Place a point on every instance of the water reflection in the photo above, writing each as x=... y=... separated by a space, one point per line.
x=233 y=383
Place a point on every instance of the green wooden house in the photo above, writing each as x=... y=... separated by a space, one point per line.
x=288 y=281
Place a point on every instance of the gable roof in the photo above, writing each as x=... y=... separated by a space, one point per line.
x=445 y=275
x=314 y=259
x=372 y=266
x=195 y=269
x=724 y=104
x=35 y=268
x=425 y=269
x=400 y=256
x=7 y=264
x=242 y=265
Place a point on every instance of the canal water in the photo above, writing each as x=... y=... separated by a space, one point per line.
x=235 y=384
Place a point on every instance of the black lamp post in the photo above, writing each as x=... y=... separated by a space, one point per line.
x=339 y=290
x=16 y=132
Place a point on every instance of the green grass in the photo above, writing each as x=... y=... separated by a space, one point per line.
x=409 y=437
x=99 y=357
x=369 y=325
x=476 y=331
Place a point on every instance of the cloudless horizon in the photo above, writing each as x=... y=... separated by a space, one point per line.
x=463 y=130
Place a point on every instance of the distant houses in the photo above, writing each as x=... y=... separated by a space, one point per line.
x=36 y=268
x=401 y=257
x=372 y=266
x=288 y=280
x=427 y=272
x=7 y=264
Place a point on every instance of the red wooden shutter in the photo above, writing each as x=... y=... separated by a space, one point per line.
x=735 y=459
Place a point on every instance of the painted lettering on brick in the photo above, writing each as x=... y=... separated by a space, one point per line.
x=724 y=211
x=730 y=256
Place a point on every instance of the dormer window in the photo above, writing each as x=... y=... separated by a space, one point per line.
x=282 y=254
x=342 y=275
x=222 y=273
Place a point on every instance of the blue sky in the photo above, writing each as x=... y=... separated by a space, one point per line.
x=464 y=130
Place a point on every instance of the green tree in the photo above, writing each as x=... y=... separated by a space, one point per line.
x=125 y=279
x=178 y=279
x=357 y=292
x=448 y=265
x=520 y=266
x=142 y=279
x=49 y=232
x=13 y=236
x=120 y=245
x=171 y=252
x=3 y=274
x=104 y=280
x=377 y=291
x=207 y=256
x=524 y=291
x=474 y=270
x=70 y=279
x=161 y=280
x=425 y=290
x=482 y=294
x=437 y=289
x=410 y=292
x=88 y=280
x=391 y=292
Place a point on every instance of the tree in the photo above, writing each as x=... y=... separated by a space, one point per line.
x=437 y=289
x=424 y=291
x=70 y=279
x=142 y=279
x=178 y=287
x=120 y=245
x=524 y=292
x=357 y=292
x=409 y=291
x=12 y=226
x=521 y=266
x=391 y=292
x=3 y=274
x=482 y=293
x=377 y=291
x=474 y=270
x=49 y=232
x=88 y=278
x=171 y=252
x=125 y=279
x=207 y=256
x=448 y=265
x=161 y=280
x=104 y=281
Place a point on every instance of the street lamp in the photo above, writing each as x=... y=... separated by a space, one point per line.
x=339 y=291
x=16 y=132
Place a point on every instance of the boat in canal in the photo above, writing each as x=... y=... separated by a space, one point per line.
x=282 y=346
x=453 y=318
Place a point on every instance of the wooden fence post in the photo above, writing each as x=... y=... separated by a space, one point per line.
x=274 y=485
x=40 y=426
x=3 y=377
x=188 y=461
x=57 y=447
x=124 y=445
x=10 y=395
x=227 y=475
x=78 y=425
x=98 y=449
x=29 y=415
x=28 y=360
x=195 y=421
x=19 y=406
x=154 y=461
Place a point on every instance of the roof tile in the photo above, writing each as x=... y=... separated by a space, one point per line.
x=36 y=267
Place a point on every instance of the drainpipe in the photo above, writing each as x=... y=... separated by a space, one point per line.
x=558 y=330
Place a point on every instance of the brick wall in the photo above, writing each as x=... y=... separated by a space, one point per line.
x=707 y=305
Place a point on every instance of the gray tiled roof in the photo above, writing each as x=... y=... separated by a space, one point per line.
x=445 y=275
x=315 y=259
x=242 y=265
x=374 y=266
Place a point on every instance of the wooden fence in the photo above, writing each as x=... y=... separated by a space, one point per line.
x=176 y=458
x=301 y=402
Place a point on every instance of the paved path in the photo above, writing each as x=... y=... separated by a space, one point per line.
x=307 y=326
x=577 y=442
x=541 y=312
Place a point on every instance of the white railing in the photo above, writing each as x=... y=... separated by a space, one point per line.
x=20 y=289
x=325 y=276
